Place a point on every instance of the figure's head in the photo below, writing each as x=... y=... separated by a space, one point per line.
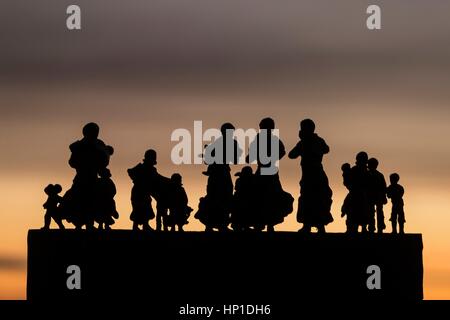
x=394 y=178
x=176 y=179
x=307 y=127
x=105 y=173
x=267 y=124
x=246 y=171
x=362 y=158
x=345 y=167
x=226 y=126
x=91 y=131
x=53 y=189
x=109 y=150
x=372 y=163
x=150 y=157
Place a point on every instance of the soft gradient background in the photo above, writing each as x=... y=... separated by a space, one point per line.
x=143 y=68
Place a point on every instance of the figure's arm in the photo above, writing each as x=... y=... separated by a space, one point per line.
x=295 y=152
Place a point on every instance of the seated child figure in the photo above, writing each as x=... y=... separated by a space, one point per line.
x=52 y=206
x=243 y=213
x=395 y=192
x=107 y=211
x=179 y=211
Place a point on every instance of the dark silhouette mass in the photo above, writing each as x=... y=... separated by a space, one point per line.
x=179 y=210
x=377 y=196
x=314 y=203
x=258 y=202
x=214 y=208
x=51 y=206
x=273 y=203
x=89 y=157
x=356 y=204
x=244 y=214
x=395 y=192
x=141 y=200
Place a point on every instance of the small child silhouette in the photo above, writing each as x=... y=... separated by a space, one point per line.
x=179 y=211
x=243 y=213
x=346 y=177
x=52 y=206
x=107 y=211
x=395 y=192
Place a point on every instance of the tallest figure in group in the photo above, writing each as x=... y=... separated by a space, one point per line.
x=314 y=204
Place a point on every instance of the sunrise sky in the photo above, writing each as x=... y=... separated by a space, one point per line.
x=145 y=68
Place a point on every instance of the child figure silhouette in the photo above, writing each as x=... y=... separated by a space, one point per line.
x=179 y=211
x=52 y=206
x=395 y=192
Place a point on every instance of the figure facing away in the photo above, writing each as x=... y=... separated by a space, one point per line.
x=377 y=196
x=214 y=208
x=141 y=200
x=179 y=210
x=346 y=177
x=357 y=209
x=106 y=211
x=52 y=206
x=395 y=192
x=314 y=203
x=273 y=204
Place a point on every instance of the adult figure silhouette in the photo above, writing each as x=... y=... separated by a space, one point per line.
x=358 y=207
x=89 y=156
x=377 y=196
x=214 y=208
x=273 y=204
x=142 y=175
x=314 y=203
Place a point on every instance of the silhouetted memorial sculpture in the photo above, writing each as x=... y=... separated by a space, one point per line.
x=89 y=156
x=314 y=203
x=244 y=212
x=273 y=203
x=179 y=210
x=377 y=196
x=141 y=201
x=395 y=192
x=357 y=208
x=214 y=208
x=53 y=211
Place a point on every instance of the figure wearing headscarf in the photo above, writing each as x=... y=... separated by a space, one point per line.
x=314 y=204
x=274 y=204
x=214 y=208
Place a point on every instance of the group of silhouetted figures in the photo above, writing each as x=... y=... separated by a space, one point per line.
x=256 y=202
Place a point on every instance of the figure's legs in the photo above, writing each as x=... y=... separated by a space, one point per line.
x=146 y=226
x=402 y=227
x=135 y=226
x=305 y=229
x=60 y=224
x=161 y=218
x=380 y=218
x=371 y=218
x=321 y=229
x=394 y=227
x=180 y=228
x=270 y=228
